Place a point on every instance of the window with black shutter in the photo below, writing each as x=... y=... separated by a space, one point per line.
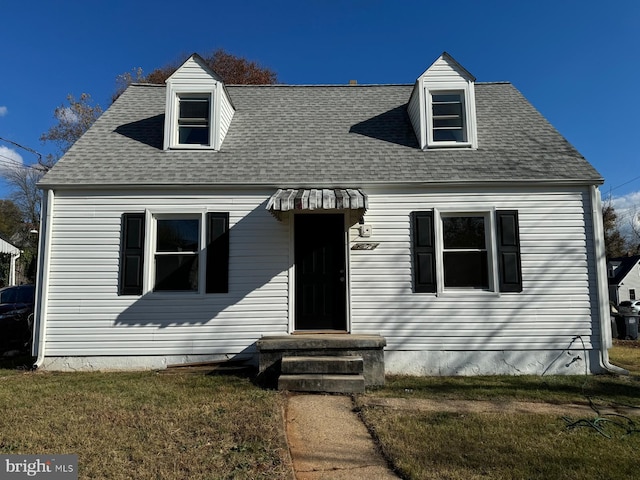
x=463 y=259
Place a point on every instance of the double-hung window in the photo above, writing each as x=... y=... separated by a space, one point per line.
x=181 y=252
x=448 y=119
x=465 y=255
x=194 y=119
x=177 y=254
x=462 y=251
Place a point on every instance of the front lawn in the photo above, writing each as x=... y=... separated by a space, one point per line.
x=467 y=445
x=146 y=425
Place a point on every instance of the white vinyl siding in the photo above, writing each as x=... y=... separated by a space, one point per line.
x=86 y=317
x=192 y=74
x=416 y=112
x=631 y=282
x=554 y=306
x=226 y=114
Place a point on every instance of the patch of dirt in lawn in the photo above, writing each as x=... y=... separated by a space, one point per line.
x=498 y=406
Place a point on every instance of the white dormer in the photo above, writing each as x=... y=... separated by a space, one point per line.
x=442 y=107
x=198 y=108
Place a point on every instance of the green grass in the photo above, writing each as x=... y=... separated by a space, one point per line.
x=145 y=425
x=469 y=446
x=150 y=426
x=498 y=446
x=626 y=354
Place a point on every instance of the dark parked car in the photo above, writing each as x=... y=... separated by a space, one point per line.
x=16 y=317
x=630 y=307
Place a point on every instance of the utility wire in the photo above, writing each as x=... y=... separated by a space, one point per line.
x=625 y=183
x=16 y=164
x=31 y=150
x=39 y=155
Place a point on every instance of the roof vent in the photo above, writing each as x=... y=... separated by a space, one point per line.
x=353 y=82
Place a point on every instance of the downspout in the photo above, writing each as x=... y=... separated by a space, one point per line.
x=42 y=285
x=602 y=290
x=12 y=268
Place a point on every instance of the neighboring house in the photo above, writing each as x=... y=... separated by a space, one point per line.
x=447 y=216
x=7 y=248
x=624 y=278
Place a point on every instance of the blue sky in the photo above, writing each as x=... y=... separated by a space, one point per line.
x=578 y=62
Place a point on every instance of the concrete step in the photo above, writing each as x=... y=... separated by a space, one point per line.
x=322 y=383
x=344 y=365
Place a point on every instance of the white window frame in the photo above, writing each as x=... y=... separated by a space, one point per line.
x=491 y=247
x=152 y=216
x=173 y=112
x=466 y=118
x=464 y=128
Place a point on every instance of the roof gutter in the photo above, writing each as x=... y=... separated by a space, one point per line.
x=42 y=284
x=602 y=292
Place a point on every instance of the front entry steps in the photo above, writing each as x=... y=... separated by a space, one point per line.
x=331 y=374
x=336 y=363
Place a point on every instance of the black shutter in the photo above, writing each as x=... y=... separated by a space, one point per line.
x=217 y=252
x=424 y=261
x=509 y=264
x=132 y=254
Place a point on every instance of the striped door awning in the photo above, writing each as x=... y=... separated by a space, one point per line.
x=291 y=199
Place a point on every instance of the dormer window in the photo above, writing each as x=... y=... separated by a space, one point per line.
x=198 y=109
x=442 y=106
x=194 y=119
x=447 y=110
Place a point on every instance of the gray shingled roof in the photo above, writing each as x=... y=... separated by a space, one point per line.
x=332 y=136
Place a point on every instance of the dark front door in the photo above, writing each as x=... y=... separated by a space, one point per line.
x=320 y=272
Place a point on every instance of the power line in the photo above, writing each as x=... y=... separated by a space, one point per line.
x=39 y=155
x=16 y=164
x=31 y=150
x=623 y=184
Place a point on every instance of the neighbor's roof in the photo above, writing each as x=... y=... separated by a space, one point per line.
x=8 y=247
x=626 y=264
x=293 y=136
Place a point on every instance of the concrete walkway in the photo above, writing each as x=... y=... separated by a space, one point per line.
x=329 y=441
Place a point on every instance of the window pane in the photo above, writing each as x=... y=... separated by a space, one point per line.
x=466 y=269
x=448 y=135
x=194 y=108
x=25 y=295
x=8 y=296
x=176 y=272
x=449 y=97
x=463 y=232
x=194 y=135
x=449 y=109
x=439 y=123
x=178 y=235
